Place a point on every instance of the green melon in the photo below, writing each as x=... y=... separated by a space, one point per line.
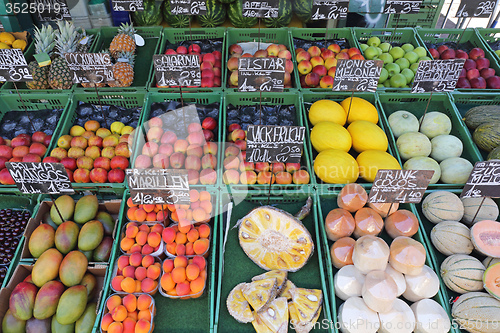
x=455 y=170
x=462 y=273
x=434 y=124
x=402 y=122
x=481 y=114
x=451 y=237
x=235 y=15
x=494 y=154
x=215 y=16
x=487 y=136
x=284 y=15
x=151 y=15
x=488 y=211
x=477 y=312
x=442 y=206
x=446 y=146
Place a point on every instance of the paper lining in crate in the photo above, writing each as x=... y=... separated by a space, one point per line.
x=132 y=260
x=182 y=275
x=107 y=320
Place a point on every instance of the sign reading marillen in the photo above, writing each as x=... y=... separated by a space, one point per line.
x=275 y=143
x=402 y=6
x=46 y=178
x=476 y=8
x=329 y=10
x=177 y=70
x=128 y=5
x=90 y=67
x=261 y=74
x=437 y=75
x=13 y=66
x=357 y=75
x=484 y=180
x=262 y=9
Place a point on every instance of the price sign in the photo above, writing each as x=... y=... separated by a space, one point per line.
x=158 y=186
x=90 y=67
x=357 y=75
x=275 y=143
x=51 y=10
x=402 y=6
x=261 y=74
x=329 y=10
x=188 y=7
x=437 y=75
x=476 y=8
x=128 y=5
x=177 y=70
x=13 y=66
x=402 y=186
x=262 y=9
x=484 y=180
x=46 y=178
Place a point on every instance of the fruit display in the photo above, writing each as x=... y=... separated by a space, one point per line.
x=136 y=273
x=150 y=16
x=183 y=277
x=12 y=41
x=484 y=121
x=190 y=240
x=128 y=313
x=12 y=225
x=144 y=238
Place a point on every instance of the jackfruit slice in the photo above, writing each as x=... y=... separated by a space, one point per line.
x=307 y=302
x=275 y=315
x=238 y=306
x=260 y=293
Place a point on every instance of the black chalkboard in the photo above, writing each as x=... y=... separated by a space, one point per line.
x=484 y=180
x=177 y=70
x=262 y=9
x=261 y=74
x=188 y=7
x=476 y=8
x=128 y=5
x=90 y=67
x=275 y=143
x=51 y=10
x=400 y=186
x=329 y=10
x=158 y=186
x=437 y=75
x=357 y=75
x=43 y=178
x=402 y=6
x=13 y=66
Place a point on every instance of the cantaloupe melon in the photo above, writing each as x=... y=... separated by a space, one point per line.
x=462 y=273
x=451 y=237
x=489 y=261
x=491 y=280
x=423 y=285
x=477 y=312
x=488 y=211
x=399 y=320
x=430 y=317
x=348 y=282
x=485 y=236
x=455 y=170
x=442 y=206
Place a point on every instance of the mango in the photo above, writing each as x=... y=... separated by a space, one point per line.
x=71 y=305
x=46 y=268
x=48 y=220
x=89 y=281
x=107 y=222
x=58 y=328
x=41 y=240
x=90 y=235
x=66 y=206
x=47 y=298
x=86 y=322
x=66 y=237
x=103 y=251
x=86 y=209
x=88 y=254
x=11 y=324
x=73 y=268
x=38 y=326
x=22 y=300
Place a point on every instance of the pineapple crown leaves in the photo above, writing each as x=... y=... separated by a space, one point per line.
x=45 y=39
x=127 y=29
x=126 y=57
x=66 y=38
x=82 y=35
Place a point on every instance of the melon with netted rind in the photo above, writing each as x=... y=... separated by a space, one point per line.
x=477 y=312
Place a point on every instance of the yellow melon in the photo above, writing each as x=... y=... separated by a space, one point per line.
x=327 y=135
x=370 y=161
x=335 y=166
x=367 y=136
x=326 y=110
x=7 y=38
x=360 y=110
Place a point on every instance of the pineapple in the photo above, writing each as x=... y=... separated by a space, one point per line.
x=84 y=48
x=124 y=41
x=44 y=43
x=285 y=291
x=260 y=293
x=275 y=316
x=307 y=302
x=301 y=326
x=123 y=70
x=279 y=275
x=274 y=239
x=238 y=306
x=60 y=75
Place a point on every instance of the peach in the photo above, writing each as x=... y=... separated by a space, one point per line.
x=200 y=261
x=119 y=313
x=142 y=326
x=141 y=273
x=166 y=282
x=172 y=248
x=189 y=249
x=168 y=235
x=192 y=272
x=147 y=261
x=107 y=319
x=199 y=215
x=144 y=314
x=131 y=213
x=136 y=259
x=140 y=215
x=116 y=283
x=154 y=239
x=193 y=235
x=129 y=271
x=126 y=244
x=201 y=246
x=179 y=274
x=115 y=327
x=131 y=231
x=153 y=272
x=148 y=285
x=142 y=237
x=168 y=265
x=204 y=230
x=130 y=302
x=113 y=302
x=123 y=261
x=128 y=325
x=143 y=302
x=128 y=285
x=183 y=288
x=197 y=285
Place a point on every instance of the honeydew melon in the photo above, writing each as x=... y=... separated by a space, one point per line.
x=445 y=146
x=402 y=122
x=434 y=124
x=413 y=144
x=455 y=170
x=424 y=163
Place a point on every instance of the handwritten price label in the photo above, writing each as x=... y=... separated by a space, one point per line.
x=261 y=74
x=476 y=8
x=188 y=7
x=181 y=70
x=329 y=10
x=437 y=75
x=357 y=75
x=484 y=180
x=402 y=7
x=13 y=66
x=262 y=9
x=128 y=5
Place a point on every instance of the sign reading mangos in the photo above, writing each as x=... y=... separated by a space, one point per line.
x=13 y=66
x=437 y=75
x=182 y=70
x=402 y=6
x=357 y=75
x=400 y=186
x=261 y=74
x=46 y=178
x=484 y=180
x=329 y=10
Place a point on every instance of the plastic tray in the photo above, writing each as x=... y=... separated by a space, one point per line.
x=152 y=309
x=235 y=267
x=115 y=273
x=157 y=253
x=170 y=255
x=190 y=296
x=416 y=103
x=488 y=37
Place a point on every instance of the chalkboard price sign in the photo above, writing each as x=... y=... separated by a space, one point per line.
x=177 y=70
x=262 y=9
x=402 y=6
x=13 y=66
x=158 y=186
x=400 y=186
x=51 y=10
x=357 y=75
x=275 y=143
x=90 y=67
x=261 y=74
x=188 y=7
x=128 y=5
x=329 y=10
x=437 y=75
x=484 y=180
x=43 y=178
x=476 y=8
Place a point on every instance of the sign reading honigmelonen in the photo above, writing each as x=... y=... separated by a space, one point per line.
x=357 y=75
x=177 y=70
x=402 y=6
x=46 y=178
x=437 y=75
x=90 y=67
x=329 y=10
x=261 y=74
x=484 y=180
x=13 y=66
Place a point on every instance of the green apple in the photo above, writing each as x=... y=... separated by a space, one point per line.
x=403 y=63
x=380 y=85
x=387 y=84
x=423 y=58
x=407 y=47
x=371 y=52
x=498 y=52
x=363 y=47
x=398 y=81
x=392 y=69
x=384 y=75
x=408 y=73
x=386 y=58
x=414 y=67
x=379 y=51
x=397 y=52
x=420 y=51
x=373 y=41
x=385 y=47
x=412 y=57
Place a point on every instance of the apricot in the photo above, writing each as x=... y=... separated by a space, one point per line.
x=141 y=273
x=204 y=230
x=203 y=274
x=184 y=226
x=166 y=282
x=143 y=302
x=180 y=249
x=200 y=262
x=128 y=285
x=181 y=238
x=126 y=244
x=201 y=246
x=140 y=215
x=148 y=285
x=131 y=231
x=132 y=315
x=179 y=274
x=180 y=261
x=116 y=283
x=192 y=272
x=176 y=228
x=115 y=327
x=171 y=208
x=207 y=206
x=107 y=319
x=153 y=272
x=183 y=288
x=154 y=239
x=205 y=196
x=130 y=302
x=141 y=238
x=172 y=292
x=168 y=235
x=119 y=313
x=181 y=213
x=168 y=265
x=193 y=235
x=195 y=204
x=131 y=213
x=135 y=248
x=138 y=286
x=113 y=302
x=147 y=261
x=128 y=325
x=148 y=208
x=129 y=271
x=135 y=259
x=161 y=215
x=189 y=215
x=197 y=285
x=151 y=217
x=171 y=248
x=144 y=314
x=157 y=228
x=189 y=249
x=130 y=203
x=142 y=326
x=144 y=227
x=123 y=261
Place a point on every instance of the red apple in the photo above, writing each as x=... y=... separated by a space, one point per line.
x=103 y=163
x=478 y=83
x=326 y=82
x=70 y=163
x=38 y=137
x=248 y=177
x=231 y=150
x=292 y=167
x=150 y=149
x=166 y=149
x=208 y=135
x=194 y=150
x=448 y=54
x=301 y=177
x=472 y=74
x=312 y=80
x=463 y=73
x=161 y=161
x=283 y=177
x=320 y=70
x=486 y=73
x=442 y=48
x=180 y=146
x=95 y=141
x=209 y=161
x=241 y=144
x=119 y=162
x=469 y=64
x=238 y=134
x=192 y=163
x=170 y=51
x=181 y=50
x=154 y=134
x=155 y=122
x=233 y=127
x=85 y=162
x=459 y=54
x=193 y=177
x=482 y=63
x=476 y=53
x=81 y=176
x=232 y=64
x=207 y=82
x=210 y=148
x=168 y=137
x=116 y=176
x=98 y=175
x=210 y=58
x=434 y=53
x=208 y=177
x=177 y=160
x=209 y=123
x=142 y=162
x=217 y=55
x=277 y=167
x=262 y=166
x=231 y=177
x=194 y=48
x=266 y=177
x=304 y=67
x=463 y=83
x=493 y=82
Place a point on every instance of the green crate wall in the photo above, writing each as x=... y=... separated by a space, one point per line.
x=236 y=267
x=427 y=16
x=416 y=104
x=490 y=36
x=173 y=36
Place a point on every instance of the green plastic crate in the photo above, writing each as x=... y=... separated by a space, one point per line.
x=311 y=97
x=236 y=267
x=253 y=98
x=328 y=202
x=319 y=35
x=174 y=36
x=427 y=16
x=489 y=37
x=416 y=104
